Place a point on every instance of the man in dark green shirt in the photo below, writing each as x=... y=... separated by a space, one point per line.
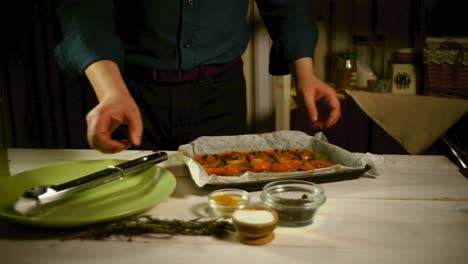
x=191 y=48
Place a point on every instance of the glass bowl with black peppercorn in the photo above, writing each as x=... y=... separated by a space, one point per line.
x=295 y=201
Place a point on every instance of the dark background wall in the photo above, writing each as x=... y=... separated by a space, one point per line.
x=46 y=108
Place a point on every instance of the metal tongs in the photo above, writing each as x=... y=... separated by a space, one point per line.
x=459 y=155
x=41 y=197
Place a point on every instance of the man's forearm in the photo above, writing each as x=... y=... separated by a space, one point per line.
x=106 y=79
x=303 y=70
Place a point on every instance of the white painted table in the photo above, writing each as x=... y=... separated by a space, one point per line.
x=415 y=212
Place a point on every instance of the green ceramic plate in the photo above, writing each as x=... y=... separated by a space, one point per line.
x=111 y=201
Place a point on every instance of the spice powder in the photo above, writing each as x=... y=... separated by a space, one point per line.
x=228 y=199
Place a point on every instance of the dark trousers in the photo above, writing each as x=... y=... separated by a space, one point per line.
x=176 y=113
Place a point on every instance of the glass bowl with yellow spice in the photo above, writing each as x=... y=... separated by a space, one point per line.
x=225 y=201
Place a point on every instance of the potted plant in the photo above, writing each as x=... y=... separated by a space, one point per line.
x=402 y=80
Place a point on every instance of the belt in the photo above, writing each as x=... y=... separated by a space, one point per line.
x=196 y=73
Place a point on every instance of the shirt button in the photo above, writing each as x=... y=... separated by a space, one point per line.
x=188 y=44
x=189 y=2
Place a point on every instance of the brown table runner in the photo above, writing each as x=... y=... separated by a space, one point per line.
x=415 y=121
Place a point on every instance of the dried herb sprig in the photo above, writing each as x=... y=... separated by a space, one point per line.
x=144 y=225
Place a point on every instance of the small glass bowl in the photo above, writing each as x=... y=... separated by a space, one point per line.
x=295 y=201
x=224 y=202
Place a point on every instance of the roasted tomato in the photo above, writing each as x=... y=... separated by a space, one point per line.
x=257 y=156
x=304 y=154
x=261 y=166
x=214 y=170
x=282 y=155
x=306 y=166
x=234 y=170
x=321 y=163
x=234 y=158
x=208 y=160
x=259 y=161
x=285 y=166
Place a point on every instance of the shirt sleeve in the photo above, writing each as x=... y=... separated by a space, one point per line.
x=291 y=29
x=88 y=28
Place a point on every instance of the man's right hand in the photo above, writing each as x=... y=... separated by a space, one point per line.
x=116 y=107
x=107 y=116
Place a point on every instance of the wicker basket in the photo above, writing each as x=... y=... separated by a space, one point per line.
x=447 y=69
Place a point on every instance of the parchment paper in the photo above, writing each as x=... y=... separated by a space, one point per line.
x=345 y=160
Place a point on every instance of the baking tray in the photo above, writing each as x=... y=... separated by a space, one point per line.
x=349 y=165
x=316 y=178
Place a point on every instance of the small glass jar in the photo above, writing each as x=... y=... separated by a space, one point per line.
x=224 y=202
x=295 y=201
x=406 y=71
x=370 y=51
x=346 y=71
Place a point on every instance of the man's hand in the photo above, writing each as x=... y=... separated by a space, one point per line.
x=116 y=107
x=107 y=116
x=318 y=99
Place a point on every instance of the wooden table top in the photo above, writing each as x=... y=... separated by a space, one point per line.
x=416 y=211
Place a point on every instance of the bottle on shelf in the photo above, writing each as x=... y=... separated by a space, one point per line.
x=346 y=71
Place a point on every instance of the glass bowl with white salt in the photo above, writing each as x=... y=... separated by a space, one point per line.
x=295 y=201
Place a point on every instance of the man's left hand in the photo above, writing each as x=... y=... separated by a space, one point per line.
x=319 y=99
